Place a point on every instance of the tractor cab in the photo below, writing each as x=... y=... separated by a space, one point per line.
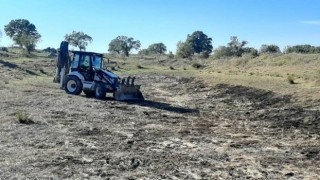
x=86 y=63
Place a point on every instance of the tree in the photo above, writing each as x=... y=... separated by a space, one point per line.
x=250 y=50
x=50 y=50
x=184 y=49
x=197 y=42
x=222 y=51
x=144 y=52
x=123 y=44
x=29 y=42
x=304 y=49
x=78 y=39
x=115 y=46
x=158 y=48
x=236 y=47
x=200 y=42
x=23 y=33
x=269 y=48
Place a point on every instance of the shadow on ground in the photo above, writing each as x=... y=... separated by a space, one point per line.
x=15 y=66
x=163 y=106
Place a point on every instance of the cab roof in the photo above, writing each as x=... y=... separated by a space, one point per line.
x=87 y=53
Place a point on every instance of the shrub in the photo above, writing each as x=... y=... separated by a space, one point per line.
x=269 y=49
x=139 y=66
x=290 y=79
x=170 y=55
x=196 y=65
x=24 y=117
x=184 y=50
x=50 y=50
x=221 y=52
x=5 y=49
x=204 y=55
x=171 y=68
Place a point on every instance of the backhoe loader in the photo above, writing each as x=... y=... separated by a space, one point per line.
x=85 y=73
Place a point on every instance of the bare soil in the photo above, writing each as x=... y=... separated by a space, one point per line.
x=186 y=129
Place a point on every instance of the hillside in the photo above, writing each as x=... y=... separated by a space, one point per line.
x=228 y=119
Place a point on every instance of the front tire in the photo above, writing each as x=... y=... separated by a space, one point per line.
x=100 y=91
x=73 y=85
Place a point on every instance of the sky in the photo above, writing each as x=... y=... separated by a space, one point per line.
x=280 y=22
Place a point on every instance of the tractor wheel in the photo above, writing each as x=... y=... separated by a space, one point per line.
x=100 y=91
x=73 y=85
x=88 y=93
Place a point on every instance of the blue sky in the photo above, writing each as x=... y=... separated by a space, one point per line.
x=281 y=22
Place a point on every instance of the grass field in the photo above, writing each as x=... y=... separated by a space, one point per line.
x=236 y=118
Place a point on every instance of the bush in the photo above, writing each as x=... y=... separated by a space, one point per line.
x=24 y=118
x=270 y=49
x=221 y=52
x=250 y=51
x=197 y=65
x=139 y=66
x=184 y=50
x=290 y=79
x=5 y=49
x=171 y=68
x=170 y=55
x=50 y=50
x=204 y=55
x=303 y=49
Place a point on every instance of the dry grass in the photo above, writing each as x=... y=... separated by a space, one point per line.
x=225 y=121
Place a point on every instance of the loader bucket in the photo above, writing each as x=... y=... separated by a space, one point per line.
x=128 y=93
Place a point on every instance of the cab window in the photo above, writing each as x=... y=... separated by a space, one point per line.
x=96 y=63
x=85 y=61
x=75 y=62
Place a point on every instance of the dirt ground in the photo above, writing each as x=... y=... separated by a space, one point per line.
x=185 y=129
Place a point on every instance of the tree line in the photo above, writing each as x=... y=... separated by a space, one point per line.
x=25 y=35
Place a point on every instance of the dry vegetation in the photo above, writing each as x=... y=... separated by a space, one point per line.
x=225 y=119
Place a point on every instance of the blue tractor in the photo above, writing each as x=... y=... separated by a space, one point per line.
x=85 y=72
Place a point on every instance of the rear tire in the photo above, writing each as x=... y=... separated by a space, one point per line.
x=73 y=85
x=100 y=91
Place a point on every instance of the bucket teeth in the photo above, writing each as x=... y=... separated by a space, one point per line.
x=128 y=81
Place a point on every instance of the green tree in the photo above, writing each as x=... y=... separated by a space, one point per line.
x=250 y=50
x=269 y=49
x=123 y=44
x=200 y=42
x=304 y=49
x=170 y=55
x=78 y=39
x=184 y=50
x=28 y=42
x=23 y=33
x=115 y=46
x=144 y=52
x=222 y=51
x=158 y=48
x=236 y=47
x=50 y=50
